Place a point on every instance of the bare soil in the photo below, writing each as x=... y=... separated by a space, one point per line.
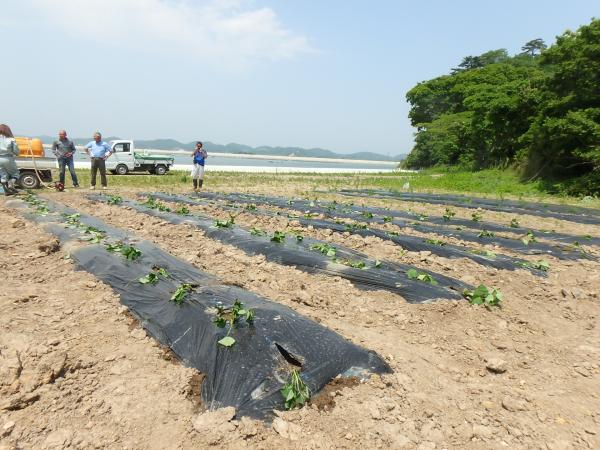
x=76 y=371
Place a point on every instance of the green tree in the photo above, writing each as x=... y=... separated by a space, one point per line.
x=538 y=112
x=533 y=46
x=564 y=139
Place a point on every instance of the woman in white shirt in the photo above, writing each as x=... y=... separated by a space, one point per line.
x=9 y=173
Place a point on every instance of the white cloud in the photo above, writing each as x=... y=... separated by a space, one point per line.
x=228 y=32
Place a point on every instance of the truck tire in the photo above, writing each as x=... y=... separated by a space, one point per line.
x=160 y=169
x=121 y=169
x=29 y=180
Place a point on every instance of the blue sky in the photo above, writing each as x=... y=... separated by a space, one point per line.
x=330 y=74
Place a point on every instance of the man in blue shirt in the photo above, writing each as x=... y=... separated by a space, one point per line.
x=98 y=151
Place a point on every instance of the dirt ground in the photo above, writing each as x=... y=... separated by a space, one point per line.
x=76 y=371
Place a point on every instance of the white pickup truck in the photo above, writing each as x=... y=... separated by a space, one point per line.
x=126 y=159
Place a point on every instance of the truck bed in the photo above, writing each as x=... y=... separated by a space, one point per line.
x=152 y=158
x=40 y=163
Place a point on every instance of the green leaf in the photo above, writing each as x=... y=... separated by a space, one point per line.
x=227 y=341
x=114 y=200
x=220 y=322
x=257 y=232
x=151 y=278
x=278 y=236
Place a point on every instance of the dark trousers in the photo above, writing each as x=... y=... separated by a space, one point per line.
x=98 y=164
x=67 y=162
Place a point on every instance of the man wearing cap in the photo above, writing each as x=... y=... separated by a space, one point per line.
x=98 y=151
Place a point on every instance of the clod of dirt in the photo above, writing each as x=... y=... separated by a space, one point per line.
x=496 y=365
x=18 y=402
x=287 y=430
x=138 y=333
x=219 y=419
x=49 y=246
x=7 y=428
x=17 y=223
x=324 y=400
x=195 y=389
x=514 y=404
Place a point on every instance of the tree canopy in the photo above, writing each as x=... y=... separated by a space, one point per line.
x=538 y=110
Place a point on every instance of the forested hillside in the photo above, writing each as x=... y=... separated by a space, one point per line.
x=538 y=111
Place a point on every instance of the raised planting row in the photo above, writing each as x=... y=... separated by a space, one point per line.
x=570 y=213
x=407 y=242
x=257 y=355
x=307 y=254
x=526 y=244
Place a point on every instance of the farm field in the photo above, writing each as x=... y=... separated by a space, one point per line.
x=78 y=369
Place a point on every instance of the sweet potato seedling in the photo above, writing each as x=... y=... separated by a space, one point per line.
x=231 y=316
x=128 y=251
x=352 y=263
x=529 y=237
x=257 y=232
x=96 y=235
x=486 y=233
x=182 y=210
x=326 y=249
x=483 y=295
x=152 y=203
x=542 y=265
x=42 y=210
x=181 y=293
x=225 y=223
x=448 y=215
x=114 y=200
x=514 y=223
x=278 y=236
x=72 y=220
x=387 y=219
x=295 y=392
x=486 y=253
x=309 y=215
x=413 y=274
x=476 y=216
x=350 y=227
x=299 y=237
x=435 y=242
x=155 y=276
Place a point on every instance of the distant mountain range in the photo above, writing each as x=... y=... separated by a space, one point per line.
x=172 y=144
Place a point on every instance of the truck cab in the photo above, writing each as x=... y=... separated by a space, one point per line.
x=126 y=159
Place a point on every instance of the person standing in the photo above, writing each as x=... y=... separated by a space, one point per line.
x=199 y=156
x=9 y=172
x=64 y=149
x=98 y=151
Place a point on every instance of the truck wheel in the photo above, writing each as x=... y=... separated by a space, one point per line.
x=28 y=180
x=121 y=169
x=160 y=169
